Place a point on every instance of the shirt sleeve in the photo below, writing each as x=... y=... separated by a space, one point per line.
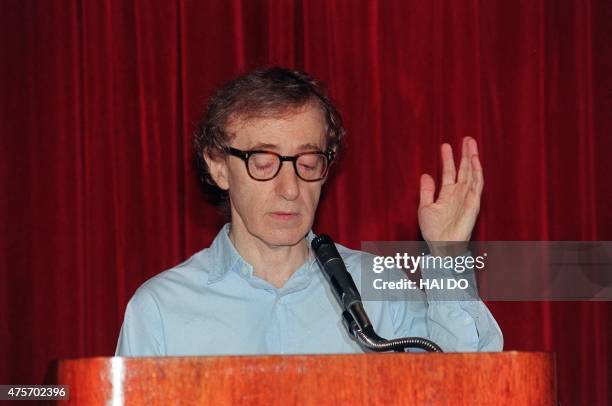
x=456 y=320
x=142 y=330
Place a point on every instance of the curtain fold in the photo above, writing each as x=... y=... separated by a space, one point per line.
x=100 y=98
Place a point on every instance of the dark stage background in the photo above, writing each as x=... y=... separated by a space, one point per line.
x=99 y=99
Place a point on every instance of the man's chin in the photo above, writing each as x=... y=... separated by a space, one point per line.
x=284 y=236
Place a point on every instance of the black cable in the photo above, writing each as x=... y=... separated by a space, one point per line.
x=397 y=344
x=374 y=342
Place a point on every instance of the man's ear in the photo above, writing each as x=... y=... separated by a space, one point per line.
x=217 y=166
x=334 y=149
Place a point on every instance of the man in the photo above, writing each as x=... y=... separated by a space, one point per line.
x=267 y=141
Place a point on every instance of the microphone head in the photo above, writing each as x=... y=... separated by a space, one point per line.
x=320 y=240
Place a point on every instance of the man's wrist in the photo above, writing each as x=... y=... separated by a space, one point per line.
x=447 y=248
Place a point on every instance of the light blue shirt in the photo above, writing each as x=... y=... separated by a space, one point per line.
x=212 y=304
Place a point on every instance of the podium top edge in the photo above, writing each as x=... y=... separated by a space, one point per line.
x=503 y=354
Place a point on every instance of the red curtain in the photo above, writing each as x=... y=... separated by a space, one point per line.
x=99 y=99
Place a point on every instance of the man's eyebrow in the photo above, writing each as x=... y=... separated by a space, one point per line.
x=263 y=145
x=310 y=147
x=274 y=147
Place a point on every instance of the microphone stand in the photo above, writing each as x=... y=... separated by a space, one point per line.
x=369 y=339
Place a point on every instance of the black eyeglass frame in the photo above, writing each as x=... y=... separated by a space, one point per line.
x=245 y=155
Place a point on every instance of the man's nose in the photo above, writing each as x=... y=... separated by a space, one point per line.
x=287 y=182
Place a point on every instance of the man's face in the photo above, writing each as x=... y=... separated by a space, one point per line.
x=280 y=211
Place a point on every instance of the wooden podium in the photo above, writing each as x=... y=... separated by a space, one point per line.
x=518 y=378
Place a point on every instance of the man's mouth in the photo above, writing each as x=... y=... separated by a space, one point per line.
x=284 y=215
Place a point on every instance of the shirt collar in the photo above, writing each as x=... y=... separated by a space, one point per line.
x=228 y=259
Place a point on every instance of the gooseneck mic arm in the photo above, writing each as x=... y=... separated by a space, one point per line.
x=354 y=314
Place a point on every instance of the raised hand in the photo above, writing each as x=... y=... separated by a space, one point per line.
x=453 y=215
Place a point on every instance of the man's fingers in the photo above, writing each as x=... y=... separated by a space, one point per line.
x=477 y=175
x=465 y=147
x=476 y=166
x=428 y=188
x=465 y=167
x=472 y=147
x=449 y=172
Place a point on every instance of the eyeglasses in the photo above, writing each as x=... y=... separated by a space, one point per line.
x=265 y=165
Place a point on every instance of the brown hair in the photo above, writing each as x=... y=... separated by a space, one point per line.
x=262 y=92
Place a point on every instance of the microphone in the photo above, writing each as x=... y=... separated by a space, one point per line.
x=354 y=315
x=341 y=281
